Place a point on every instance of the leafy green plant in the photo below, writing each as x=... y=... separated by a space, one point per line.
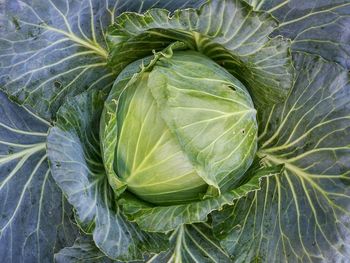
x=174 y=131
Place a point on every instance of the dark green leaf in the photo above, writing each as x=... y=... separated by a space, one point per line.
x=35 y=219
x=83 y=250
x=192 y=244
x=302 y=216
x=318 y=27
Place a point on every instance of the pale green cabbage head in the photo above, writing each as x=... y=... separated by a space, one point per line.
x=186 y=130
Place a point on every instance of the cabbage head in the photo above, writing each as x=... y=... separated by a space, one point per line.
x=186 y=129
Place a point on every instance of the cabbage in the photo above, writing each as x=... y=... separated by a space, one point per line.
x=174 y=131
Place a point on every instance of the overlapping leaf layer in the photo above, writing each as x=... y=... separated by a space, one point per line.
x=294 y=203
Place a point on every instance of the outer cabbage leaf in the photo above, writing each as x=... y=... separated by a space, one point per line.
x=302 y=216
x=76 y=164
x=318 y=27
x=227 y=31
x=83 y=250
x=51 y=49
x=193 y=243
x=35 y=220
